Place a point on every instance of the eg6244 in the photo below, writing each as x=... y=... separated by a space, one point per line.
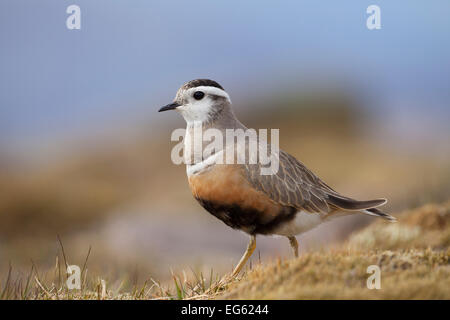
x=246 y=309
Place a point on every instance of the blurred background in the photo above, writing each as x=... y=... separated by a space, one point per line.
x=85 y=155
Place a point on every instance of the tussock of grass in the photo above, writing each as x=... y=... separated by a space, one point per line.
x=413 y=256
x=342 y=274
x=427 y=226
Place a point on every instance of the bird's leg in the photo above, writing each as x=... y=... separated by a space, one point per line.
x=250 y=248
x=294 y=245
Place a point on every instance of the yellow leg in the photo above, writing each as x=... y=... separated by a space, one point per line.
x=250 y=248
x=294 y=245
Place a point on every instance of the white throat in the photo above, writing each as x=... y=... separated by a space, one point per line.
x=200 y=110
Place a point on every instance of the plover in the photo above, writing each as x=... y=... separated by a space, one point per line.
x=288 y=202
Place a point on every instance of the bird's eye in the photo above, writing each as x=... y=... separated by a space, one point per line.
x=198 y=95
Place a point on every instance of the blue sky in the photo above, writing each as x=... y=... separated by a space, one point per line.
x=133 y=55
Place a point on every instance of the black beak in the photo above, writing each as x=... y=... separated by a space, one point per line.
x=170 y=106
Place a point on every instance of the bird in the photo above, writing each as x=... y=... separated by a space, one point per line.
x=287 y=202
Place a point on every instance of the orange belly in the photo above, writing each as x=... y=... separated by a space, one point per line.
x=225 y=192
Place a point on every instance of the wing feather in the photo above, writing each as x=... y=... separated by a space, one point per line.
x=296 y=186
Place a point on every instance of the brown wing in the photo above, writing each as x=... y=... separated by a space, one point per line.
x=296 y=186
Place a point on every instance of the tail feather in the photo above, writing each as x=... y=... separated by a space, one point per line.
x=368 y=207
x=378 y=213
x=352 y=204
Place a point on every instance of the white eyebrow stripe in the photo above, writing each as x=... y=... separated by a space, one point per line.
x=211 y=90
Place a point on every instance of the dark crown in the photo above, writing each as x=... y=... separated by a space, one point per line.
x=201 y=82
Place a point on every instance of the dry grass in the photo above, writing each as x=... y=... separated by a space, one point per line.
x=342 y=274
x=413 y=256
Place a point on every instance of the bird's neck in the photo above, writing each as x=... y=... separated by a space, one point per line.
x=200 y=135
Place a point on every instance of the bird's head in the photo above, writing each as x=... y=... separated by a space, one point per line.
x=199 y=100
